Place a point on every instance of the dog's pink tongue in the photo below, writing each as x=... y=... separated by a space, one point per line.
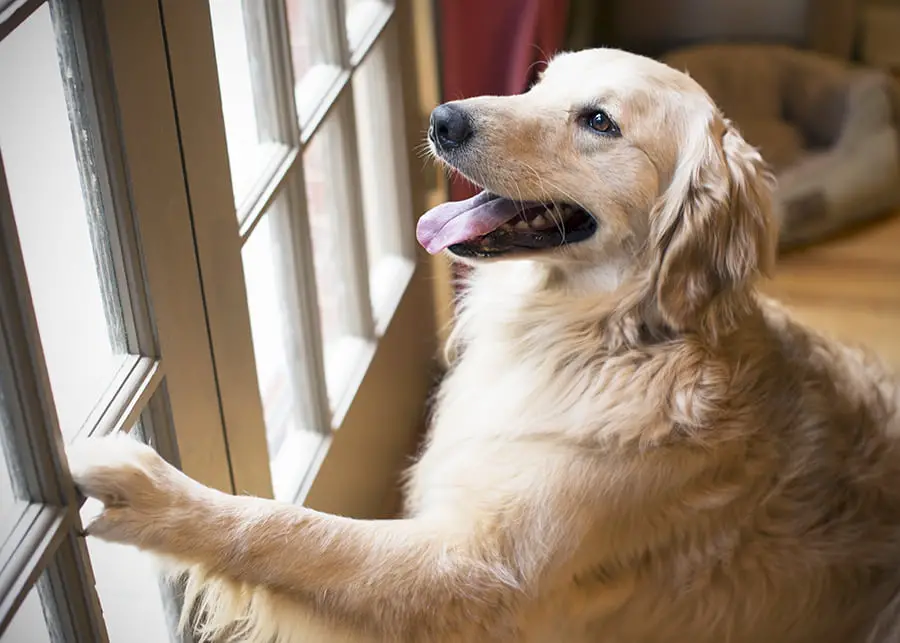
x=460 y=221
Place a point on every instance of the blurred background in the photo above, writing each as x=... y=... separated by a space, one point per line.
x=811 y=83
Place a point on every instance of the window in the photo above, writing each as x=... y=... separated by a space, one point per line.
x=80 y=351
x=209 y=242
x=64 y=240
x=325 y=223
x=32 y=621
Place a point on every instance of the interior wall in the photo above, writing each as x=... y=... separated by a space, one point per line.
x=653 y=27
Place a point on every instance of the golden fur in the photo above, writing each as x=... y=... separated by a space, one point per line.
x=632 y=446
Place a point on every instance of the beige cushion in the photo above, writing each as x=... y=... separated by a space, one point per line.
x=780 y=143
x=828 y=129
x=743 y=80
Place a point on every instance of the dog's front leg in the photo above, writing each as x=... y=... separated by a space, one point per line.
x=412 y=579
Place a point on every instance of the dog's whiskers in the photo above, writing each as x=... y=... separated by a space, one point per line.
x=569 y=198
x=552 y=212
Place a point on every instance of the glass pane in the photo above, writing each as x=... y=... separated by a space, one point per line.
x=315 y=51
x=284 y=370
x=361 y=16
x=324 y=221
x=250 y=147
x=328 y=204
x=29 y=625
x=383 y=162
x=302 y=54
x=11 y=502
x=128 y=583
x=65 y=243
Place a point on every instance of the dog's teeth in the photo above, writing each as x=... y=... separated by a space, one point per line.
x=522 y=225
x=539 y=221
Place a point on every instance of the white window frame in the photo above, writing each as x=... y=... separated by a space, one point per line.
x=155 y=123
x=220 y=233
x=169 y=379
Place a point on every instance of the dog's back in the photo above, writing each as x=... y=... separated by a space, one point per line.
x=799 y=541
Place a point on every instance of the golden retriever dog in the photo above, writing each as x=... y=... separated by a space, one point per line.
x=631 y=446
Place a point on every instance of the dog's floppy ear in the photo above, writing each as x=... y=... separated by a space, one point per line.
x=712 y=231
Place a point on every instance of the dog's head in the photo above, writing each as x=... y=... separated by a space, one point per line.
x=616 y=162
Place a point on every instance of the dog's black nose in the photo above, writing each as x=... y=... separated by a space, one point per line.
x=450 y=126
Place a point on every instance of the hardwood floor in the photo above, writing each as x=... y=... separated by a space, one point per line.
x=848 y=287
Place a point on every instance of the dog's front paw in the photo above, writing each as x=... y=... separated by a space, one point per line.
x=139 y=490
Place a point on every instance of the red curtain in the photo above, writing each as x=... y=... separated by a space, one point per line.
x=494 y=47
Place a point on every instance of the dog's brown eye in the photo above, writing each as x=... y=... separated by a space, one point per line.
x=600 y=122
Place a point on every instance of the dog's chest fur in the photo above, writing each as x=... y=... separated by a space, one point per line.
x=743 y=496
